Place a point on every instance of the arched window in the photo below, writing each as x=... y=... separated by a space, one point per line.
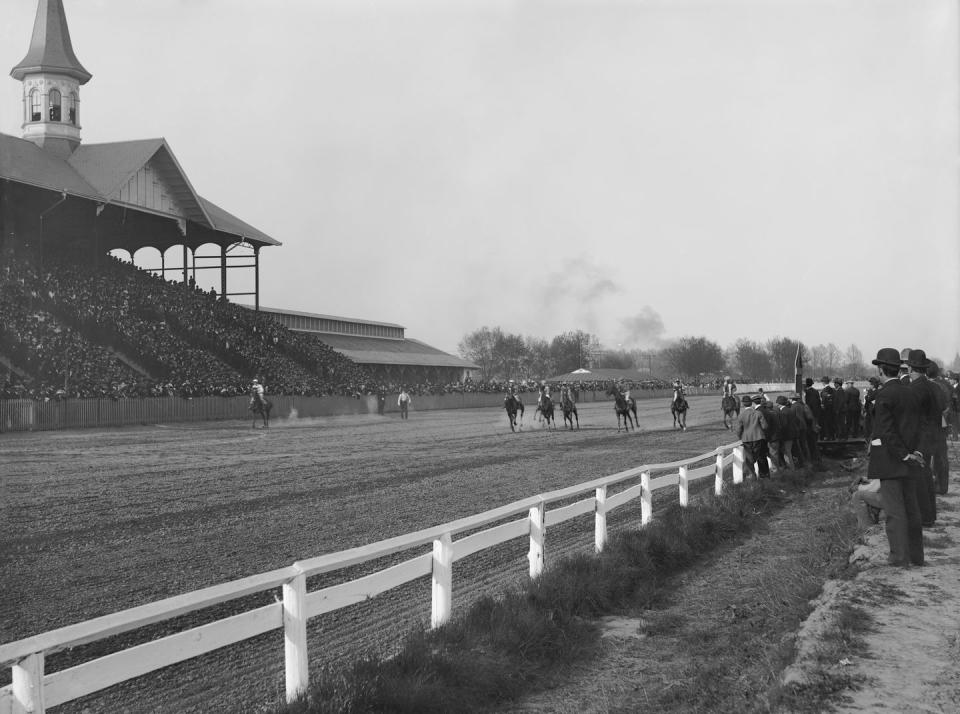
x=72 y=108
x=35 y=110
x=54 y=105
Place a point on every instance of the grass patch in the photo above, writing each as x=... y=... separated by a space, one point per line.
x=838 y=644
x=937 y=541
x=505 y=647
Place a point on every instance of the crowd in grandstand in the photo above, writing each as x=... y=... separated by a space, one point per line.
x=79 y=329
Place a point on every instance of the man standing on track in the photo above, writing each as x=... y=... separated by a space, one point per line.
x=404 y=401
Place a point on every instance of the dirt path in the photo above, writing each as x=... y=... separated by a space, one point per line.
x=910 y=661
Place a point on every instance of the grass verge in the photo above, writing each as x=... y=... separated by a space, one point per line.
x=505 y=647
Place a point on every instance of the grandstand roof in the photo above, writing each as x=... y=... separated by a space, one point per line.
x=339 y=318
x=98 y=171
x=600 y=375
x=377 y=350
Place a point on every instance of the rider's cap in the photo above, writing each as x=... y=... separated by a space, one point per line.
x=255 y=380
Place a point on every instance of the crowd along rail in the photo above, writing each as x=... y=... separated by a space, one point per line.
x=34 y=690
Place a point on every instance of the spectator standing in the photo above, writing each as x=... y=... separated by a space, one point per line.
x=805 y=423
x=929 y=414
x=751 y=429
x=852 y=406
x=811 y=397
x=381 y=401
x=894 y=461
x=787 y=429
x=828 y=419
x=941 y=470
x=869 y=397
x=839 y=409
x=404 y=401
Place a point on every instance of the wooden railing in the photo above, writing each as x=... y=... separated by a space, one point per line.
x=34 y=690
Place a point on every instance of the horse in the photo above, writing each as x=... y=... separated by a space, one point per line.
x=731 y=410
x=678 y=408
x=513 y=404
x=623 y=407
x=262 y=407
x=546 y=409
x=569 y=410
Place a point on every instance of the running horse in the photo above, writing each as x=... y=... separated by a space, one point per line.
x=569 y=409
x=623 y=406
x=678 y=407
x=261 y=406
x=513 y=404
x=731 y=410
x=546 y=410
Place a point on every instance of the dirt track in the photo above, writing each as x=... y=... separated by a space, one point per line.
x=97 y=521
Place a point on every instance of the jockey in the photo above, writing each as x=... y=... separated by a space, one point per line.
x=729 y=387
x=678 y=391
x=256 y=391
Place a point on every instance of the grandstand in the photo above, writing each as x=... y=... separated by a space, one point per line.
x=77 y=322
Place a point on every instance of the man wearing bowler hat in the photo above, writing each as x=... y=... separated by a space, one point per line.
x=930 y=412
x=894 y=460
x=751 y=429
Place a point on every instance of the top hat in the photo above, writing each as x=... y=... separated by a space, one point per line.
x=888 y=356
x=917 y=359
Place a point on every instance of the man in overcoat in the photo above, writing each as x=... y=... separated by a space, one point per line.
x=895 y=461
x=751 y=429
x=930 y=413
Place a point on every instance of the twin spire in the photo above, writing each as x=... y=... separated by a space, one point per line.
x=51 y=75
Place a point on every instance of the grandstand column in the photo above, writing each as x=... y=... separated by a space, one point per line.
x=185 y=264
x=223 y=271
x=256 y=278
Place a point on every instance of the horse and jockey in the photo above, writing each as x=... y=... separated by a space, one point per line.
x=568 y=406
x=730 y=405
x=513 y=404
x=625 y=407
x=259 y=404
x=679 y=406
x=545 y=405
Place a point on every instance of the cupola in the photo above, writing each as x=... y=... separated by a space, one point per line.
x=51 y=75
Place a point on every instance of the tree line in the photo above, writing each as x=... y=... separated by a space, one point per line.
x=503 y=355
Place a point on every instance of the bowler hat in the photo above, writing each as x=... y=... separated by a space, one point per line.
x=808 y=382
x=795 y=397
x=745 y=399
x=756 y=399
x=917 y=359
x=782 y=400
x=888 y=356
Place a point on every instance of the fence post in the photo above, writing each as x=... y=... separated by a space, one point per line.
x=646 y=499
x=295 y=635
x=442 y=607
x=600 y=520
x=718 y=479
x=738 y=464
x=538 y=529
x=684 y=486
x=28 y=685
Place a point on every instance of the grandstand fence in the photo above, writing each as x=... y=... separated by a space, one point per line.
x=34 y=690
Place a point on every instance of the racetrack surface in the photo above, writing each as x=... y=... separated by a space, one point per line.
x=102 y=520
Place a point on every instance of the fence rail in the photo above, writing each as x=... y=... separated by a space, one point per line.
x=34 y=690
x=38 y=415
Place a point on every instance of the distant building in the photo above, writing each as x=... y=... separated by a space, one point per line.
x=381 y=347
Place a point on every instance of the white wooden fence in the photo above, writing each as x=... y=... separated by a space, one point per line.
x=34 y=690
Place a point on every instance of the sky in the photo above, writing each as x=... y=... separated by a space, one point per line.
x=643 y=170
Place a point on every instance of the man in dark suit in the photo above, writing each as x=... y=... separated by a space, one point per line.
x=811 y=397
x=751 y=428
x=788 y=428
x=895 y=461
x=828 y=420
x=851 y=417
x=930 y=414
